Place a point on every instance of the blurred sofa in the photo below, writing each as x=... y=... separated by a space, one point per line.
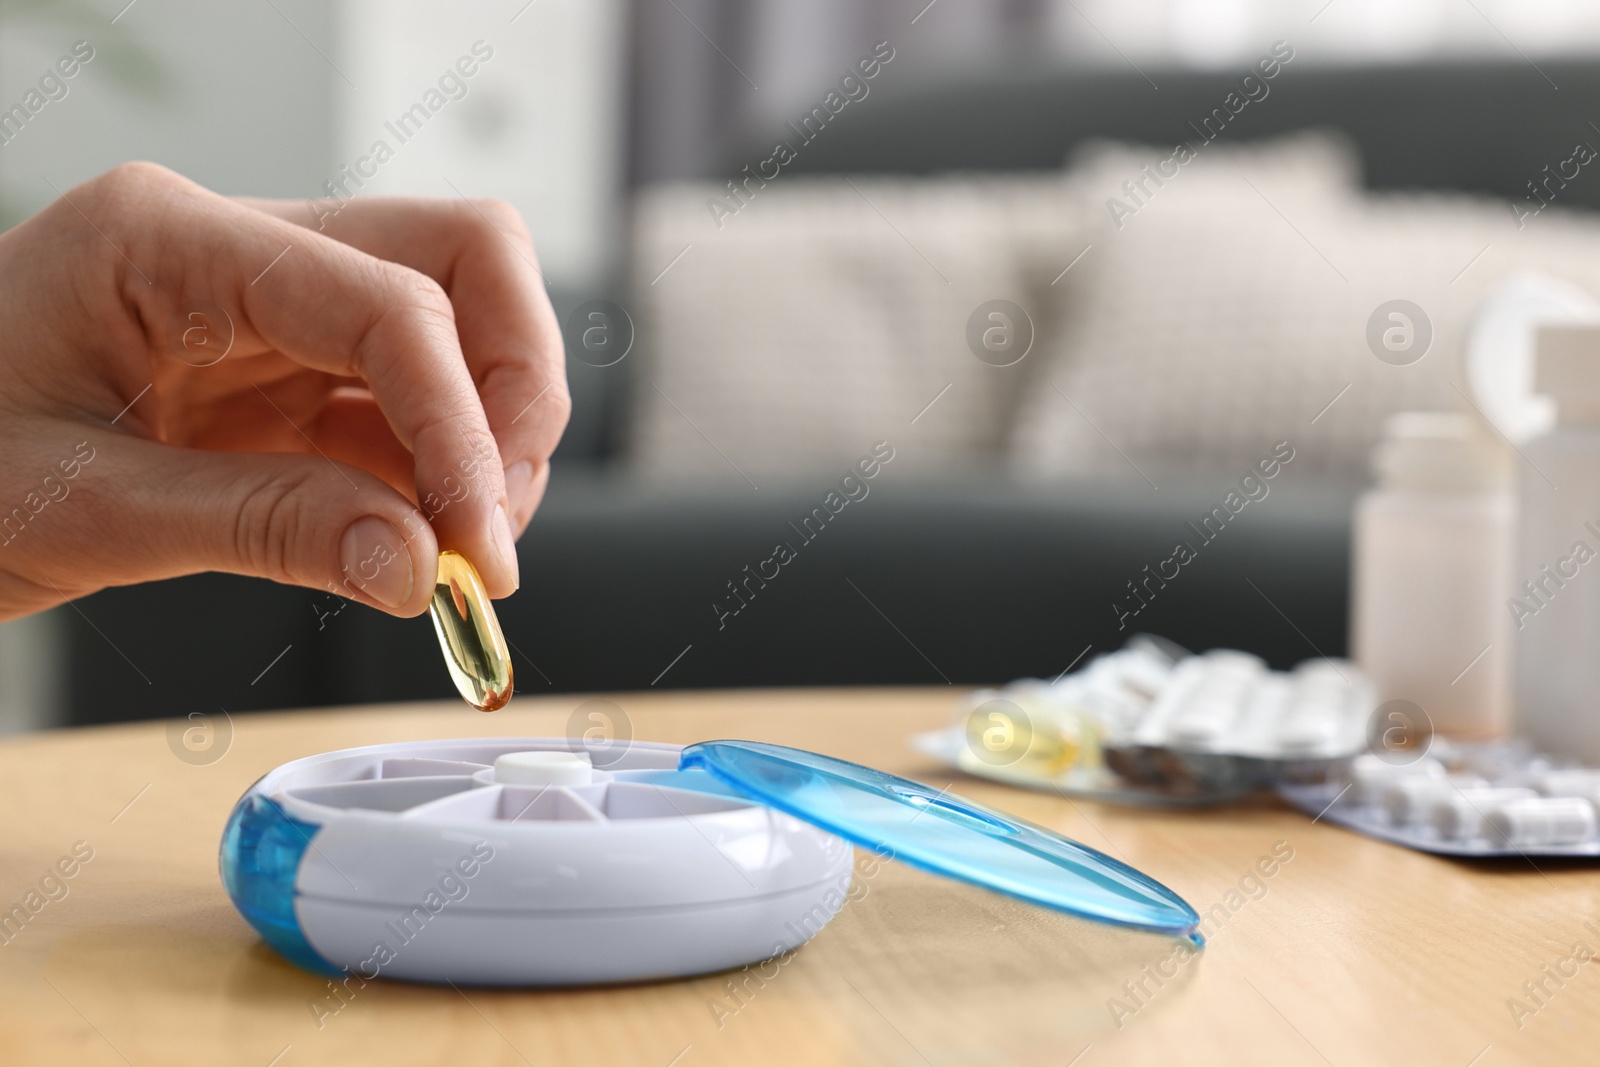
x=1022 y=519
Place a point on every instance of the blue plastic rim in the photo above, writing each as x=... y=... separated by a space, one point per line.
x=945 y=835
x=261 y=851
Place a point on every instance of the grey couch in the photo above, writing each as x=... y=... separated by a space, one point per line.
x=965 y=580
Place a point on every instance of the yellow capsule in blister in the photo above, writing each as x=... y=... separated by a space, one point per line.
x=469 y=633
x=1026 y=733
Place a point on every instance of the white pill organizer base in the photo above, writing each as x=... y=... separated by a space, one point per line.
x=419 y=861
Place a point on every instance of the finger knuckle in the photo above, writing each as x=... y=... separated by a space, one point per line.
x=271 y=526
x=458 y=431
x=497 y=220
x=419 y=294
x=559 y=412
x=539 y=410
x=413 y=308
x=132 y=183
x=481 y=460
x=473 y=470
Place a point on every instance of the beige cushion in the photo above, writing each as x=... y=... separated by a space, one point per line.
x=1232 y=308
x=824 y=317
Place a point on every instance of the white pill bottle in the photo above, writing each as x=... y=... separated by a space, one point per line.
x=1431 y=560
x=1555 y=599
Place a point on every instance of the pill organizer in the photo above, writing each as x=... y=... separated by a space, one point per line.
x=1489 y=799
x=519 y=862
x=1151 y=723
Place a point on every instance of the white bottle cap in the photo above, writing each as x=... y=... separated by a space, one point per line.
x=1542 y=821
x=1567 y=369
x=543 y=768
x=1439 y=451
x=1501 y=345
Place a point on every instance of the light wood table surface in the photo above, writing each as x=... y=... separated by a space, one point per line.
x=1352 y=953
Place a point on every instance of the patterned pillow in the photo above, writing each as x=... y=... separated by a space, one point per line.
x=1231 y=311
x=830 y=313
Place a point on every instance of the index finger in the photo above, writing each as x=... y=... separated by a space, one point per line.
x=480 y=252
x=334 y=308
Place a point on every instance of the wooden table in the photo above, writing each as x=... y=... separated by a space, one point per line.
x=1352 y=952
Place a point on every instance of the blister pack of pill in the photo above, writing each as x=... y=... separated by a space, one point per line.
x=1152 y=723
x=1224 y=720
x=1487 y=799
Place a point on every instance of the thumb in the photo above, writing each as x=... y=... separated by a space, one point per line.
x=161 y=511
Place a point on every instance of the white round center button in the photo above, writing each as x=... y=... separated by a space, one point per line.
x=543 y=768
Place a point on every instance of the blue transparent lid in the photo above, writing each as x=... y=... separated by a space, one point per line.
x=944 y=834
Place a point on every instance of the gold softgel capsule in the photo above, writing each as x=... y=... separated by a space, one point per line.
x=469 y=633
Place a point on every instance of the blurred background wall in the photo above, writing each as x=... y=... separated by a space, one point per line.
x=775 y=349
x=691 y=112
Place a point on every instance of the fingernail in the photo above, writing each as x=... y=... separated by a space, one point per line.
x=519 y=481
x=506 y=544
x=375 y=561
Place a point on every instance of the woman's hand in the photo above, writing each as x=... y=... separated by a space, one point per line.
x=193 y=383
